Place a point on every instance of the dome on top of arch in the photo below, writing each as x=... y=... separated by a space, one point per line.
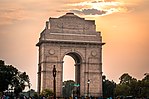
x=70 y=14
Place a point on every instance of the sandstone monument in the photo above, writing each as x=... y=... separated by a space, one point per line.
x=78 y=38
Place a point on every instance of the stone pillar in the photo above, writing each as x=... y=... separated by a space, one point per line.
x=47 y=24
x=39 y=79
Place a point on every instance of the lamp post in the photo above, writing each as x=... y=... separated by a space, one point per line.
x=54 y=81
x=88 y=83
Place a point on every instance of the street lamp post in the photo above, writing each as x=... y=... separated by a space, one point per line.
x=54 y=81
x=88 y=83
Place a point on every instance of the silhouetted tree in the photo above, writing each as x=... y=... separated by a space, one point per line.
x=108 y=87
x=125 y=78
x=130 y=86
x=124 y=88
x=7 y=72
x=20 y=81
x=10 y=77
x=144 y=88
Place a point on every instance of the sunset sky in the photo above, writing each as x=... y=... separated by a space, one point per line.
x=124 y=25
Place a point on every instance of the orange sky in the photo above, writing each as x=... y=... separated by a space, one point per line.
x=124 y=25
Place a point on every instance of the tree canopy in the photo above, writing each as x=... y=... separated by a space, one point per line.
x=12 y=78
x=68 y=87
x=108 y=87
x=47 y=93
x=130 y=86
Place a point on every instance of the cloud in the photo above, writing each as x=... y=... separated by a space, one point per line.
x=109 y=0
x=103 y=1
x=23 y=10
x=100 y=7
x=12 y=12
x=18 y=10
x=89 y=12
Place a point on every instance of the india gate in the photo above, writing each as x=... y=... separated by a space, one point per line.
x=77 y=37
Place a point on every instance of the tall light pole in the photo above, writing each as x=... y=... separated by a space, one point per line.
x=88 y=85
x=54 y=81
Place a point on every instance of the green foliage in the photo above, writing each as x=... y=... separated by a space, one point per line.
x=36 y=95
x=125 y=78
x=108 y=87
x=20 y=81
x=144 y=88
x=122 y=90
x=134 y=87
x=68 y=86
x=6 y=74
x=130 y=86
x=12 y=78
x=47 y=93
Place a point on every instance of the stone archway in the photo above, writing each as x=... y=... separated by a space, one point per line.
x=78 y=60
x=77 y=37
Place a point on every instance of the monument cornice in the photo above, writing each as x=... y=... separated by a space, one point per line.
x=70 y=42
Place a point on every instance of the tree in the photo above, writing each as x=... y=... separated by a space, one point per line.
x=20 y=81
x=47 y=93
x=68 y=87
x=130 y=86
x=144 y=88
x=134 y=87
x=125 y=78
x=108 y=87
x=123 y=88
x=12 y=78
x=7 y=72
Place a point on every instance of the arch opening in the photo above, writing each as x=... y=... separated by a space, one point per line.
x=68 y=68
x=71 y=70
